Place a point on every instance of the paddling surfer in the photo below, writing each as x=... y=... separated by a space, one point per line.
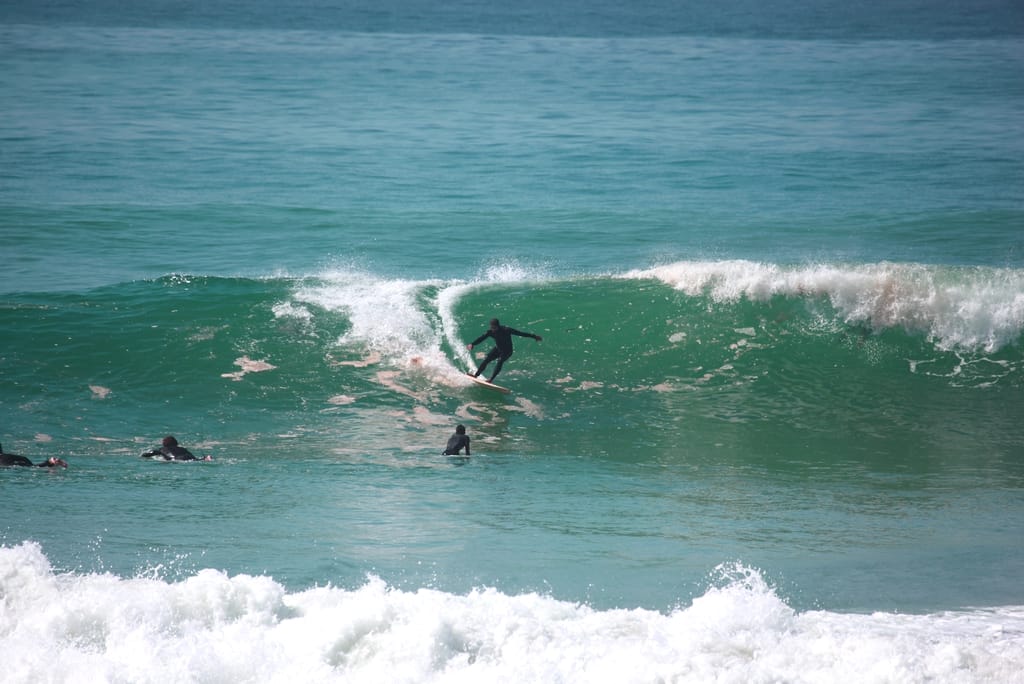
x=457 y=442
x=18 y=460
x=170 y=450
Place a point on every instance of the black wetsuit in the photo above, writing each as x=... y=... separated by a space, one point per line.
x=502 y=347
x=455 y=444
x=174 y=453
x=16 y=460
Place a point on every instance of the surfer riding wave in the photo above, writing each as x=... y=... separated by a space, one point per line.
x=502 y=336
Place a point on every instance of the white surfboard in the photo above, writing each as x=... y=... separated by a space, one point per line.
x=489 y=385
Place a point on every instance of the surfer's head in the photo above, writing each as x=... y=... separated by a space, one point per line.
x=460 y=429
x=54 y=462
x=169 y=441
x=495 y=324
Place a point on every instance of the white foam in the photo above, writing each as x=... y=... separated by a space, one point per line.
x=505 y=273
x=99 y=392
x=247 y=366
x=447 y=299
x=216 y=627
x=956 y=308
x=290 y=310
x=389 y=319
x=383 y=313
x=511 y=272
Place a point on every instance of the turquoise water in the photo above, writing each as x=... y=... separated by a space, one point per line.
x=772 y=432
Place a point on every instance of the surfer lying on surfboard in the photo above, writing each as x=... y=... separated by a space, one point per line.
x=17 y=460
x=502 y=335
x=170 y=450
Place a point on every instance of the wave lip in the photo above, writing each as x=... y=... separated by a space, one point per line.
x=955 y=308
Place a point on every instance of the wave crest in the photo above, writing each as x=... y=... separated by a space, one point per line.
x=968 y=308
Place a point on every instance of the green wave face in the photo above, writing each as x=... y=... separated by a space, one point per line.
x=689 y=362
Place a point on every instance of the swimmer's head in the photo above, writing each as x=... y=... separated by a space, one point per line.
x=169 y=441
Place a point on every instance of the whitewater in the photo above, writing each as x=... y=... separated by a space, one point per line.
x=216 y=627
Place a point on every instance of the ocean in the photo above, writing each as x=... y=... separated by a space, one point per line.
x=773 y=431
